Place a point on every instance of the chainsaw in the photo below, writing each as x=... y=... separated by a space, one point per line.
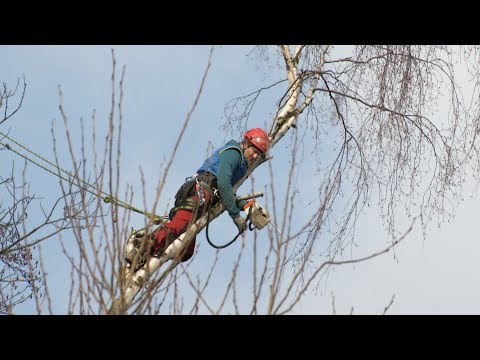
x=258 y=215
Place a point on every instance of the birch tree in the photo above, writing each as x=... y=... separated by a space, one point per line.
x=373 y=107
x=380 y=102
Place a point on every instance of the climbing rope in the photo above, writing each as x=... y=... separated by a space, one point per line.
x=106 y=198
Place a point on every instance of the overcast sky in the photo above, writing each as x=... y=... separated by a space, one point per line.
x=438 y=275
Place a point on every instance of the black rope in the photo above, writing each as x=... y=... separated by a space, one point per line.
x=230 y=242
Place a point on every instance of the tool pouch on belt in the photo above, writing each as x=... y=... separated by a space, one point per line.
x=187 y=189
x=183 y=197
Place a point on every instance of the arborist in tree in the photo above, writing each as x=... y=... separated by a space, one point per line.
x=212 y=182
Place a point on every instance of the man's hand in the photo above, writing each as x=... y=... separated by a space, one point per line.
x=241 y=223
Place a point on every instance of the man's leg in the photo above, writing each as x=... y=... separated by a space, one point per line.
x=171 y=230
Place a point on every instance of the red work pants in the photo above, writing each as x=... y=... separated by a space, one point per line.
x=178 y=225
x=174 y=228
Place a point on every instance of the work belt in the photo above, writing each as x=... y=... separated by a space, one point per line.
x=199 y=185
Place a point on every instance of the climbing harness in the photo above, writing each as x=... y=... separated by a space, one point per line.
x=206 y=183
x=86 y=186
x=201 y=185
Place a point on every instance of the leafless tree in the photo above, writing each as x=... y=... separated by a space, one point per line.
x=377 y=108
x=18 y=278
x=22 y=275
x=373 y=111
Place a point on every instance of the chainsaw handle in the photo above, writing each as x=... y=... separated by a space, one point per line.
x=248 y=204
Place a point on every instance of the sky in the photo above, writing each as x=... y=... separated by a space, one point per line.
x=435 y=275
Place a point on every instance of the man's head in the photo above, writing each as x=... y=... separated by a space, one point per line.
x=257 y=144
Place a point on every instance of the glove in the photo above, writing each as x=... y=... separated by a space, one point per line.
x=241 y=223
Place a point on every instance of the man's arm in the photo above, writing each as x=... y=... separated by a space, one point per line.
x=229 y=160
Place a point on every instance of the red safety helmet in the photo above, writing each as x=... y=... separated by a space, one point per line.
x=259 y=138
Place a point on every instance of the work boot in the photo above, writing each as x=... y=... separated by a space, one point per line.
x=137 y=257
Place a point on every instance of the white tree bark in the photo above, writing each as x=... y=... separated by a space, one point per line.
x=288 y=117
x=136 y=280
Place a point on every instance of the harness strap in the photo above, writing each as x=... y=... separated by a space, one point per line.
x=202 y=185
